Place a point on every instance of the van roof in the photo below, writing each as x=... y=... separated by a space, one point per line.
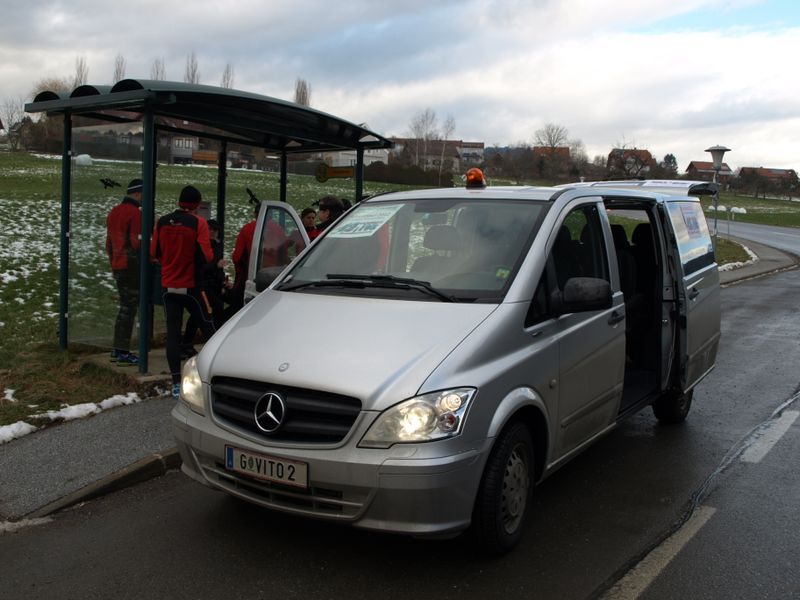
x=676 y=187
x=664 y=187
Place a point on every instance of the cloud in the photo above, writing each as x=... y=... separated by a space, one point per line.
x=651 y=73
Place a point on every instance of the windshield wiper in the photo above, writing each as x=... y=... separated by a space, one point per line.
x=390 y=281
x=288 y=286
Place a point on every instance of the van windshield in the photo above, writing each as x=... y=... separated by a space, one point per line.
x=458 y=249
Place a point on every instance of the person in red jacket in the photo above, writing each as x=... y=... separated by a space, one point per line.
x=123 y=229
x=182 y=245
x=241 y=261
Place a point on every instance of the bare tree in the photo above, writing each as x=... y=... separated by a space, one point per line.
x=423 y=129
x=552 y=162
x=158 y=71
x=629 y=162
x=191 y=73
x=302 y=92
x=227 y=76
x=55 y=84
x=81 y=71
x=448 y=127
x=577 y=155
x=12 y=113
x=551 y=136
x=119 y=69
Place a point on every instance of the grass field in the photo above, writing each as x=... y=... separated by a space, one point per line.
x=30 y=226
x=764 y=211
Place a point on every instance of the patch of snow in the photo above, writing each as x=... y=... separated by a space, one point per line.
x=66 y=413
x=76 y=411
x=15 y=430
x=120 y=400
x=8 y=395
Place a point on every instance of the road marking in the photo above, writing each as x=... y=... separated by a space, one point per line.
x=769 y=436
x=644 y=573
x=11 y=526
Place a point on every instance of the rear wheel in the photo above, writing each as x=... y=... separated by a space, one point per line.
x=504 y=497
x=673 y=407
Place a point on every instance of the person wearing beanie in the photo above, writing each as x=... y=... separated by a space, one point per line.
x=182 y=246
x=123 y=228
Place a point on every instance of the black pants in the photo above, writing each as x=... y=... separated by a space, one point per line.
x=197 y=307
x=217 y=316
x=128 y=289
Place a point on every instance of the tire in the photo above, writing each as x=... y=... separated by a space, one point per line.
x=673 y=407
x=506 y=490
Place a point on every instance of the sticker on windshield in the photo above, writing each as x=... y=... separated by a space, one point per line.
x=365 y=221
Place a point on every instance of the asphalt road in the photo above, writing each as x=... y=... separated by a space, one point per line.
x=594 y=520
x=782 y=238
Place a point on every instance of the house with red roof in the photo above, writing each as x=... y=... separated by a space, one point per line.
x=700 y=170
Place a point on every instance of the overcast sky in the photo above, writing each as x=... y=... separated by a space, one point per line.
x=671 y=76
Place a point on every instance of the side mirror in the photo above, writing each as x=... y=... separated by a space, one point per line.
x=582 y=294
x=265 y=277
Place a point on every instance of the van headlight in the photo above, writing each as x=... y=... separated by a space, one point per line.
x=425 y=418
x=192 y=387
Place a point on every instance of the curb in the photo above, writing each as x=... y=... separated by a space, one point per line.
x=783 y=261
x=142 y=470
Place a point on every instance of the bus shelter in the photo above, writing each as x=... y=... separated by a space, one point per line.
x=225 y=115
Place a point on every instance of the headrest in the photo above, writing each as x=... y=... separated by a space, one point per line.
x=619 y=235
x=441 y=237
x=642 y=235
x=563 y=238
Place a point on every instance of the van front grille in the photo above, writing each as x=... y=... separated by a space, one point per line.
x=311 y=416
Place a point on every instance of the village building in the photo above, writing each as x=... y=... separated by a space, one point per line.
x=700 y=170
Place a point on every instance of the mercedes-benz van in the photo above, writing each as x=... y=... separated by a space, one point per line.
x=436 y=353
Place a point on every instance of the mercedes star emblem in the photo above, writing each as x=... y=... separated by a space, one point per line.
x=269 y=412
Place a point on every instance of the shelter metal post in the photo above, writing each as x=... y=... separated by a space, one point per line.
x=145 y=270
x=359 y=173
x=63 y=279
x=284 y=175
x=222 y=178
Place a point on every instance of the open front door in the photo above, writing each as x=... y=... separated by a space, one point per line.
x=699 y=294
x=279 y=237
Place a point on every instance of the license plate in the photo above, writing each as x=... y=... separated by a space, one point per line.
x=268 y=468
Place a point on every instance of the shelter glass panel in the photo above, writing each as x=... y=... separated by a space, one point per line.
x=104 y=280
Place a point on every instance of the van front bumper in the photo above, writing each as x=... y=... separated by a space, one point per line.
x=420 y=489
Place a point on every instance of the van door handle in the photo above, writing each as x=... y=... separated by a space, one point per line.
x=693 y=293
x=616 y=317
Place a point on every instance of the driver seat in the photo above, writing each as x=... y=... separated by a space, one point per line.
x=444 y=241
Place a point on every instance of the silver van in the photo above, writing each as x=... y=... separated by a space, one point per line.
x=432 y=356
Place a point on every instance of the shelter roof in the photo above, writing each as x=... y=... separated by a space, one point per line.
x=230 y=115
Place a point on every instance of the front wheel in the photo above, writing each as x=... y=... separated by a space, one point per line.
x=506 y=489
x=673 y=407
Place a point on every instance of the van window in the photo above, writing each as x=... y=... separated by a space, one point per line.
x=578 y=251
x=281 y=240
x=691 y=231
